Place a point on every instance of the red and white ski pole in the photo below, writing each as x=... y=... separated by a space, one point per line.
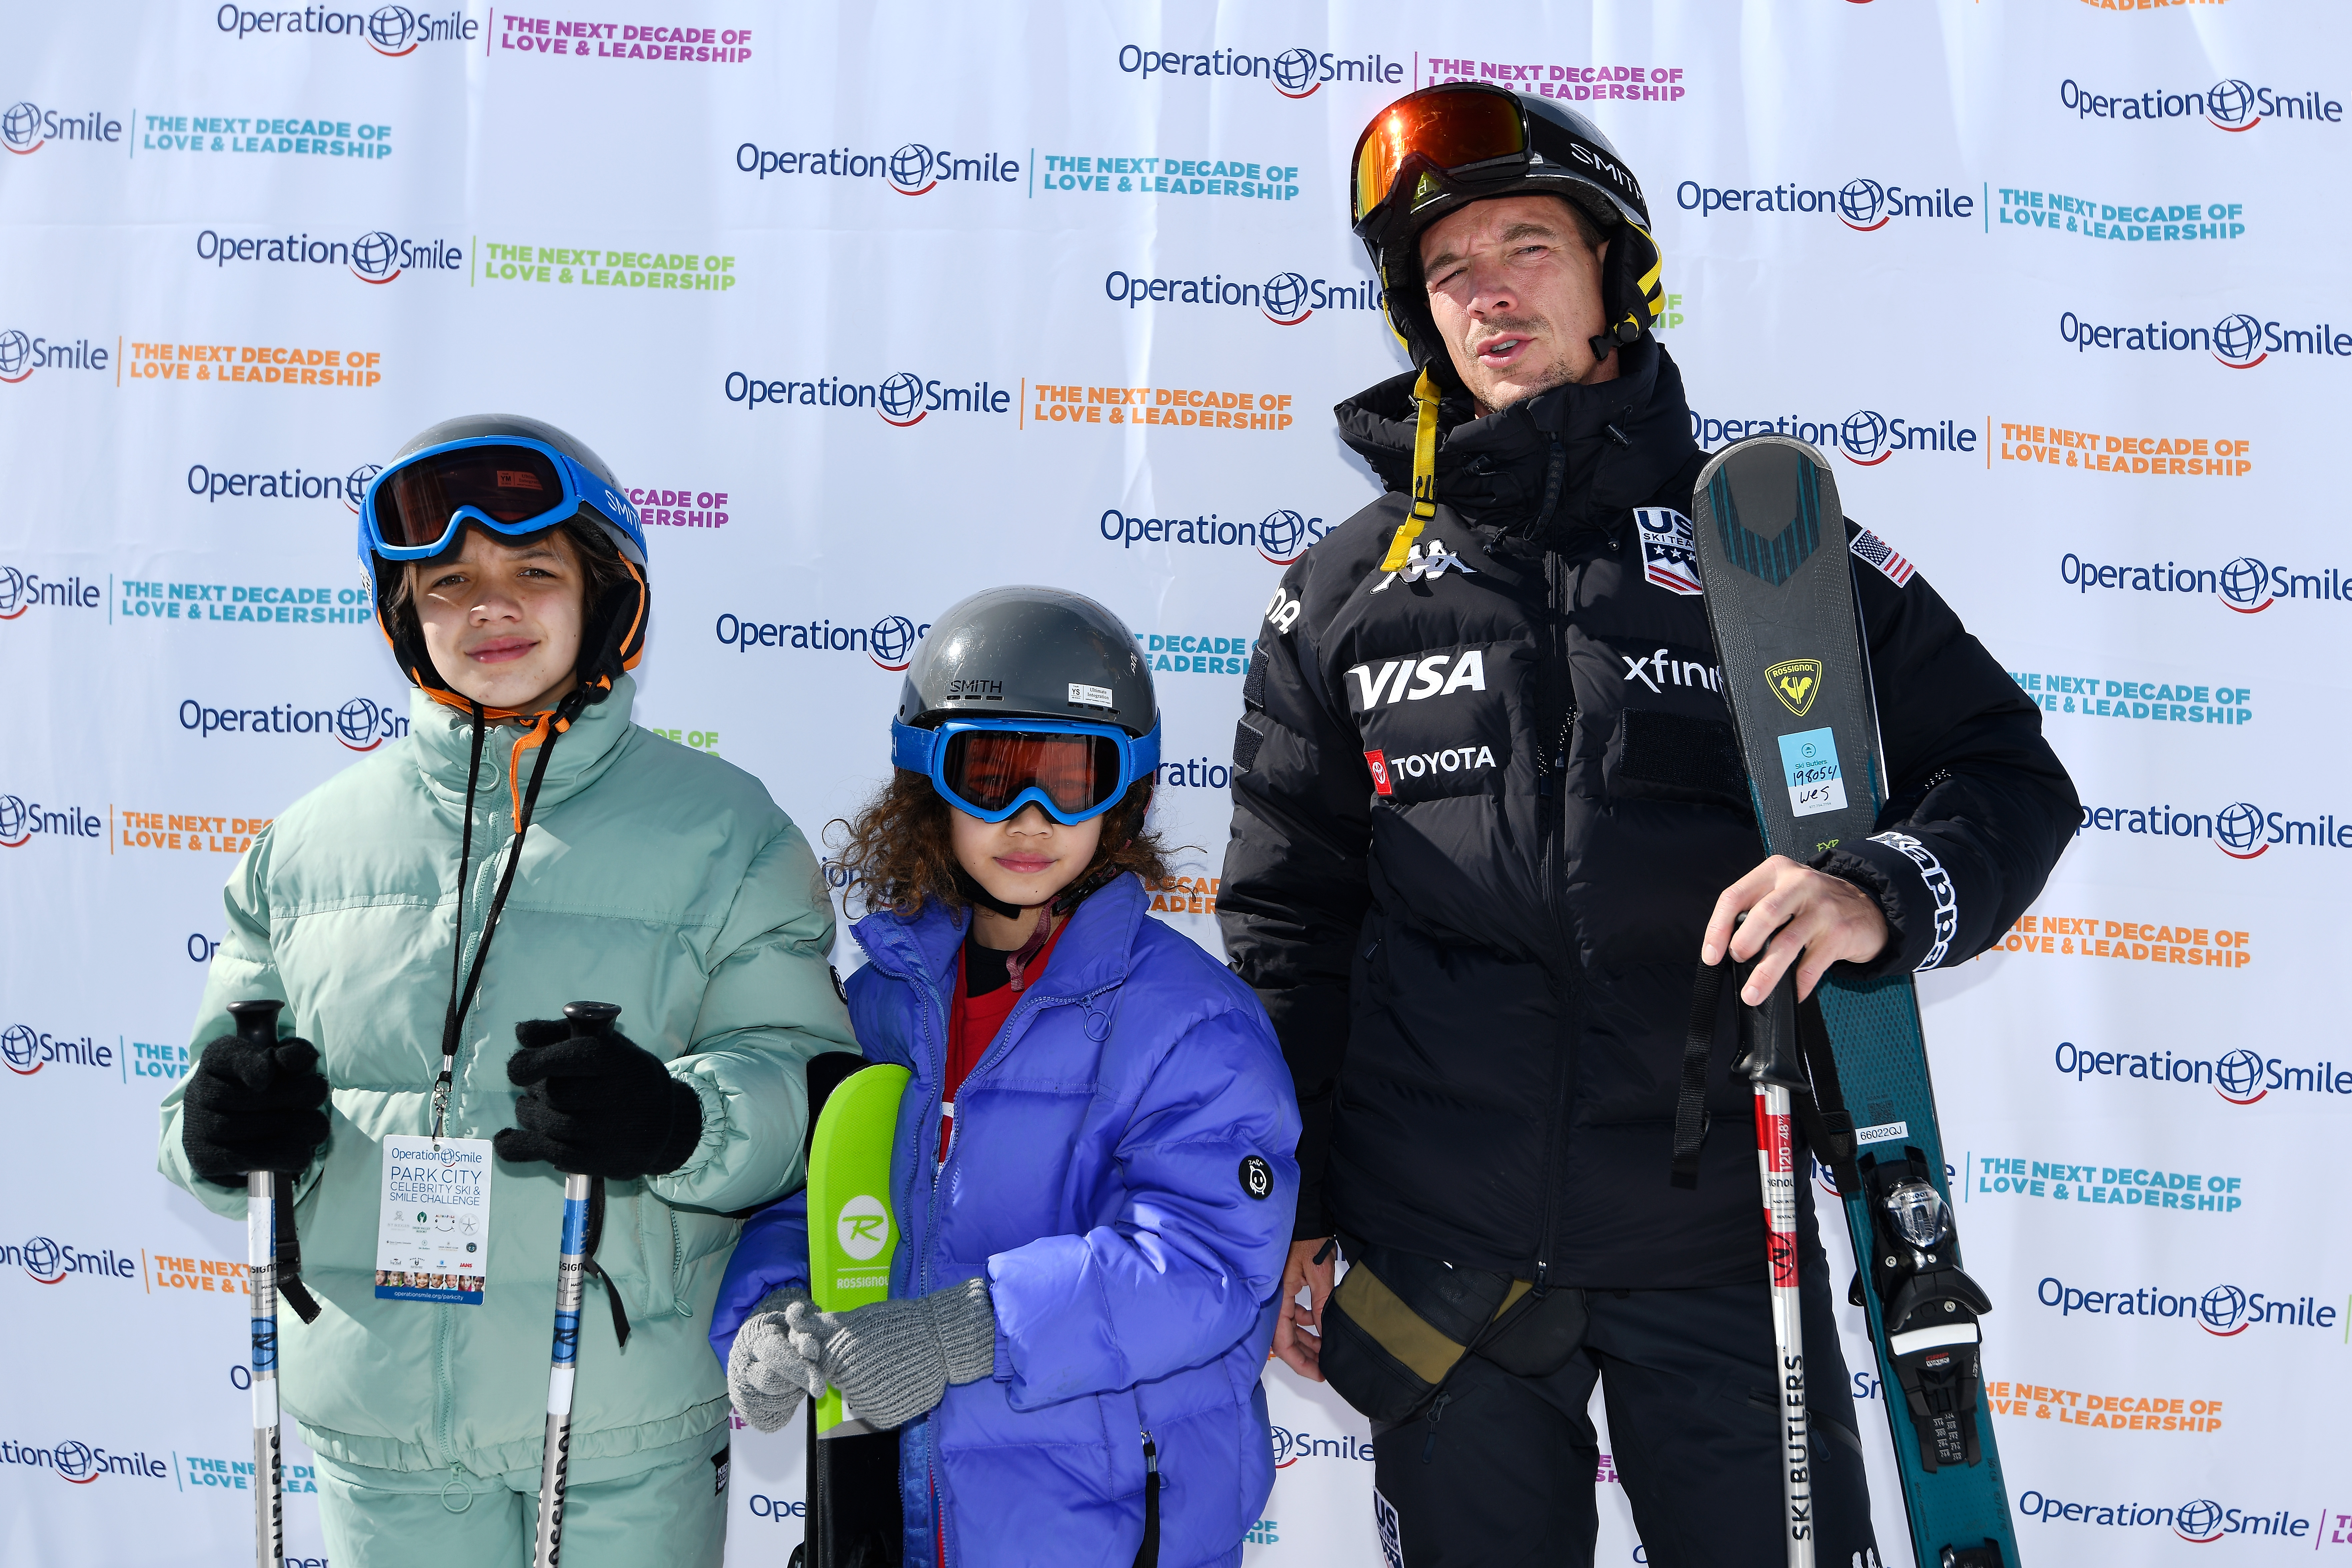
x=257 y=1023
x=1774 y=1064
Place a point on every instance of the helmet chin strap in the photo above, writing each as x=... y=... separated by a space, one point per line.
x=968 y=886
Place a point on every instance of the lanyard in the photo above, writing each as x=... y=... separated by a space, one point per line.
x=461 y=997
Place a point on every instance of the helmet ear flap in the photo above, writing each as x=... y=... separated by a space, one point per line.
x=1633 y=288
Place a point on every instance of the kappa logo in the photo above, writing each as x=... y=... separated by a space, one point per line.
x=1796 y=682
x=1418 y=565
x=1939 y=886
x=1669 y=551
x=1413 y=679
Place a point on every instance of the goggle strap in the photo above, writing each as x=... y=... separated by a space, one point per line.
x=1424 y=475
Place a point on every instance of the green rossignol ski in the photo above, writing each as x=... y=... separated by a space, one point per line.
x=853 y=1469
x=1774 y=557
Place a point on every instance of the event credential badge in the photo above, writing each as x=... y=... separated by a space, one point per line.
x=433 y=1227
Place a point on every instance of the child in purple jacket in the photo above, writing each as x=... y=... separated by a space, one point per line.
x=1093 y=1171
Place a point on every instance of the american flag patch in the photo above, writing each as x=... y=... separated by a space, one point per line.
x=1869 y=547
x=1669 y=551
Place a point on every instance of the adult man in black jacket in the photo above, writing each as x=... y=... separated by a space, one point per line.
x=1488 y=810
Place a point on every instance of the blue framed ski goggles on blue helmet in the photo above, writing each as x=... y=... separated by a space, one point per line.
x=510 y=485
x=991 y=768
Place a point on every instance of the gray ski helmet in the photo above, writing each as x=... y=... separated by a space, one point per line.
x=1029 y=653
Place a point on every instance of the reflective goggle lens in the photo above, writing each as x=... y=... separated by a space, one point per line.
x=508 y=484
x=1448 y=128
x=988 y=768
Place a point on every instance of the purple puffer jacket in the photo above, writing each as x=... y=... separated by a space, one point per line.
x=1099 y=1178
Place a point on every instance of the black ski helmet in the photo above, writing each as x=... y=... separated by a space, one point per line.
x=612 y=632
x=1565 y=156
x=1029 y=653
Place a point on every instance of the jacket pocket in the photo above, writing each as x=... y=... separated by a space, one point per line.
x=1659 y=756
x=1398 y=1324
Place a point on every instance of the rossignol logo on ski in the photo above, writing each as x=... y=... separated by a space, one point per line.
x=1796 y=682
x=1669 y=551
x=1939 y=884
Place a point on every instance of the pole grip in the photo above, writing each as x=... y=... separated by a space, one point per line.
x=587 y=1019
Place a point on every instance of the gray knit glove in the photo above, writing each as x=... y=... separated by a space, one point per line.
x=765 y=1377
x=893 y=1360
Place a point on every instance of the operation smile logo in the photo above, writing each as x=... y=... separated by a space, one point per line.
x=2224 y=1311
x=1862 y=205
x=1297 y=73
x=903 y=400
x=286 y=484
x=22 y=353
x=392 y=31
x=48 y=1262
x=22 y=821
x=26 y=128
x=890 y=642
x=2248 y=585
x=1285 y=299
x=21 y=591
x=1280 y=537
x=916 y=169
x=2240 y=341
x=361 y=724
x=2231 y=104
x=25 y=1050
x=1864 y=437
x=378 y=257
x=1292 y=1445
x=2198 y=1520
x=2240 y=1077
x=79 y=1463
x=2241 y=830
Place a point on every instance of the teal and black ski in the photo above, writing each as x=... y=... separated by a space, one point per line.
x=1773 y=556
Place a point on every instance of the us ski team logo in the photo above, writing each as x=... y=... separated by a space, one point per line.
x=1796 y=682
x=1669 y=551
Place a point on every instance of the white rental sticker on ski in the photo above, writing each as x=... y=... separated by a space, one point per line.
x=1780 y=602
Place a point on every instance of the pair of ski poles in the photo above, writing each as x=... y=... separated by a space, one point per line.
x=256 y=1022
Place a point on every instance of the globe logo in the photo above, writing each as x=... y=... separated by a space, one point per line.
x=1281 y=536
x=1294 y=71
x=21 y=1048
x=15 y=822
x=902 y=395
x=375 y=257
x=2238 y=1077
x=1862 y=205
x=355 y=483
x=45 y=1261
x=1862 y=437
x=1286 y=1447
x=2237 y=340
x=2200 y=1520
x=16 y=356
x=2238 y=829
x=389 y=29
x=2229 y=104
x=20 y=127
x=910 y=169
x=2223 y=1310
x=76 y=1463
x=1284 y=294
x=2245 y=585
x=357 y=723
x=12 y=593
x=890 y=640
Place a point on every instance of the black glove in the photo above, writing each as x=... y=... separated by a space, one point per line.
x=253 y=1108
x=596 y=1105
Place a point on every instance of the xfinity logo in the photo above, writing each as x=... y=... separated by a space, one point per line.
x=1662 y=669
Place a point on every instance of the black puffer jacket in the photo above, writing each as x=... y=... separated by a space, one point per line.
x=1480 y=819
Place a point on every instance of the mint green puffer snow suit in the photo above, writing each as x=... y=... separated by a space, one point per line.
x=654 y=876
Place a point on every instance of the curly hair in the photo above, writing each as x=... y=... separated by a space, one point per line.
x=900 y=846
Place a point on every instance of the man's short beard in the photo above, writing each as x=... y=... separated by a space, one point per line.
x=1561 y=372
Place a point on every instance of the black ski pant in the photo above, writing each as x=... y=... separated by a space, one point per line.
x=1503 y=1472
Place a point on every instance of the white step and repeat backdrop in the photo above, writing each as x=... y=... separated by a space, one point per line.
x=872 y=306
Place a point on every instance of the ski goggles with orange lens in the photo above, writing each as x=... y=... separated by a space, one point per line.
x=1456 y=131
x=508 y=484
x=991 y=768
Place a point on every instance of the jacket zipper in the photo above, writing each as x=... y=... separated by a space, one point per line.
x=1553 y=839
x=1147 y=1555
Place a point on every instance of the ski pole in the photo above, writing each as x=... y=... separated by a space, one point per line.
x=256 y=1024
x=1774 y=1065
x=578 y=1195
